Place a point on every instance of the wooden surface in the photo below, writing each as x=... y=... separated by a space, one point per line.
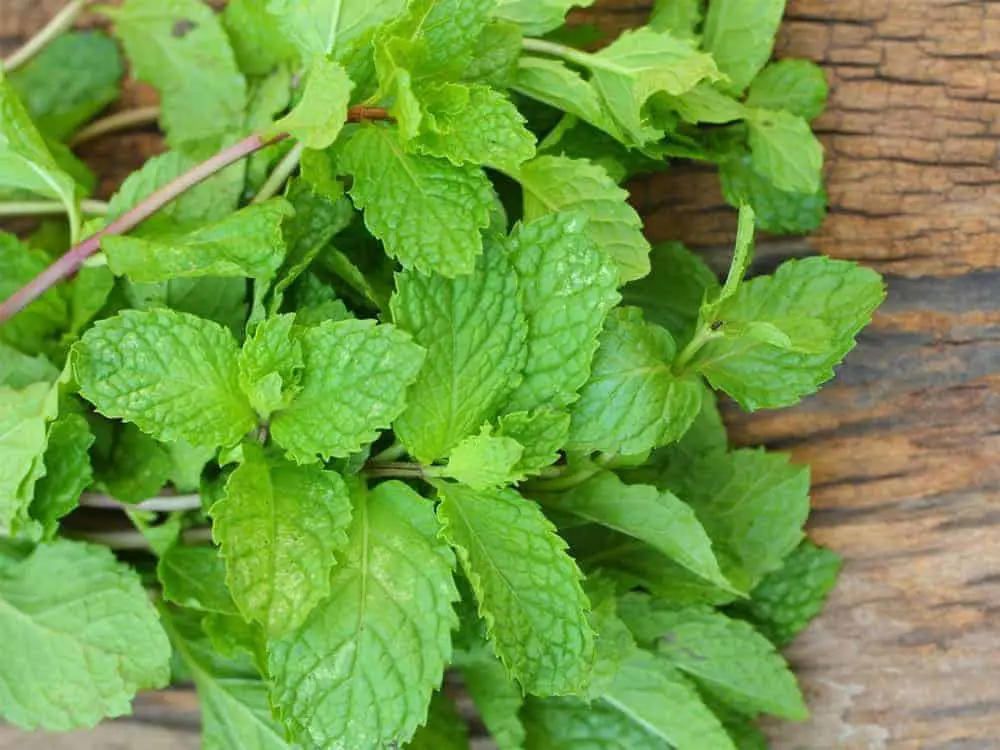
x=905 y=447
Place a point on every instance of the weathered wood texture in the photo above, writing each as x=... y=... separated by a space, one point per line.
x=904 y=447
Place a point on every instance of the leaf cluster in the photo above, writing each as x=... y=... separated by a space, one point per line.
x=414 y=393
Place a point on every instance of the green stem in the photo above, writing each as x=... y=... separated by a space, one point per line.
x=134 y=540
x=397 y=469
x=280 y=175
x=702 y=336
x=126 y=120
x=50 y=208
x=569 y=54
x=62 y=21
x=395 y=451
x=567 y=481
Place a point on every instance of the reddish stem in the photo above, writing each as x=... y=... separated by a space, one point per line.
x=70 y=263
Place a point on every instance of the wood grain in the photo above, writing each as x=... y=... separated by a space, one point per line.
x=904 y=446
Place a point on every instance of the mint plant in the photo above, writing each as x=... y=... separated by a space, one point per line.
x=372 y=376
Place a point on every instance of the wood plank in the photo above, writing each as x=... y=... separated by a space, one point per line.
x=903 y=446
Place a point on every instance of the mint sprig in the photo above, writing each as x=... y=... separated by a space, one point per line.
x=378 y=362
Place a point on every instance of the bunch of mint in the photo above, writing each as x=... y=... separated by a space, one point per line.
x=382 y=377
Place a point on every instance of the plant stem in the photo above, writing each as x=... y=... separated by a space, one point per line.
x=62 y=21
x=129 y=118
x=393 y=452
x=702 y=336
x=70 y=263
x=50 y=208
x=134 y=540
x=570 y=54
x=280 y=175
x=165 y=504
x=399 y=469
x=566 y=481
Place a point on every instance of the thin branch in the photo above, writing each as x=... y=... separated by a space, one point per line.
x=70 y=263
x=393 y=452
x=62 y=21
x=125 y=120
x=50 y=208
x=134 y=540
x=398 y=469
x=280 y=175
x=164 y=504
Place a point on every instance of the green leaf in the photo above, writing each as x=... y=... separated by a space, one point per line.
x=31 y=329
x=137 y=468
x=659 y=699
x=777 y=211
x=189 y=462
x=434 y=38
x=195 y=577
x=219 y=300
x=86 y=661
x=251 y=31
x=18 y=370
x=271 y=364
x=639 y=64
x=633 y=401
x=321 y=211
x=498 y=700
x=320 y=114
x=740 y=35
x=555 y=183
x=235 y=711
x=429 y=213
x=89 y=293
x=279 y=526
x=474 y=330
x=672 y=294
x=246 y=243
x=209 y=202
x=67 y=472
x=24 y=418
x=69 y=82
x=784 y=150
x=572 y=724
x=484 y=461
x=445 y=728
x=786 y=600
x=632 y=563
x=614 y=644
x=568 y=287
x=527 y=587
x=538 y=16
x=25 y=161
x=726 y=657
x=555 y=84
x=355 y=381
x=678 y=17
x=657 y=518
x=174 y=375
x=319 y=27
x=704 y=103
x=473 y=124
x=495 y=54
x=361 y=671
x=796 y=86
x=819 y=304
x=180 y=48
x=753 y=505
x=540 y=433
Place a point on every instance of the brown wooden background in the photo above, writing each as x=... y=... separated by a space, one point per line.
x=905 y=447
